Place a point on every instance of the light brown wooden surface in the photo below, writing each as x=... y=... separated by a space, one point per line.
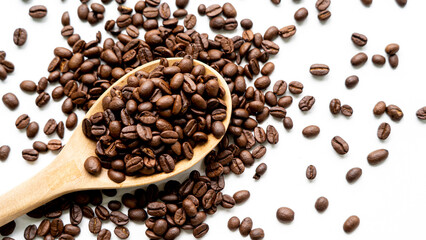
x=67 y=174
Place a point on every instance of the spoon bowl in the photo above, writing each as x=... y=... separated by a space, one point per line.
x=67 y=173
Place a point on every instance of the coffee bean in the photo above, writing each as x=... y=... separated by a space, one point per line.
x=288 y=123
x=246 y=24
x=241 y=196
x=10 y=100
x=40 y=146
x=353 y=174
x=359 y=39
x=335 y=106
x=301 y=14
x=271 y=33
x=285 y=101
x=311 y=131
x=38 y=11
x=359 y=59
x=276 y=2
x=324 y=15
x=392 y=48
x=383 y=131
x=367 y=2
x=378 y=59
x=260 y=170
x=8 y=228
x=93 y=165
x=137 y=214
x=20 y=36
x=60 y=130
x=217 y=23
x=393 y=61
x=246 y=226
x=311 y=172
x=379 y=108
x=65 y=19
x=28 y=86
x=394 y=112
x=179 y=13
x=306 y=103
x=30 y=154
x=213 y=10
x=321 y=204
x=104 y=234
x=67 y=31
x=421 y=113
x=71 y=230
x=201 y=230
x=233 y=223
x=229 y=10
x=347 y=110
x=54 y=145
x=295 y=87
x=287 y=31
x=377 y=156
x=44 y=228
x=71 y=121
x=285 y=214
x=257 y=234
x=351 y=81
x=272 y=134
x=190 y=21
x=30 y=232
x=322 y=5
x=32 y=129
x=401 y=3
x=202 y=9
x=50 y=126
x=22 y=121
x=4 y=152
x=351 y=224
x=121 y=232
x=319 y=69
x=339 y=145
x=95 y=225
x=42 y=99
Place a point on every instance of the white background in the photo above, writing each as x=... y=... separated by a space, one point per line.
x=389 y=198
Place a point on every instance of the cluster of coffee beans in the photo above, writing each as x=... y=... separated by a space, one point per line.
x=322 y=7
x=93 y=15
x=156 y=119
x=6 y=66
x=217 y=22
x=245 y=228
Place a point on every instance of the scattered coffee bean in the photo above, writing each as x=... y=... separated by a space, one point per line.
x=401 y=3
x=394 y=112
x=54 y=145
x=285 y=101
x=306 y=103
x=379 y=108
x=202 y=9
x=324 y=15
x=30 y=232
x=4 y=152
x=301 y=14
x=28 y=86
x=260 y=170
x=311 y=172
x=351 y=224
x=347 y=110
x=339 y=145
x=213 y=10
x=285 y=214
x=359 y=59
x=246 y=226
x=246 y=24
x=393 y=61
x=122 y=232
x=321 y=204
x=71 y=121
x=30 y=154
x=201 y=230
x=38 y=11
x=32 y=129
x=95 y=225
x=20 y=36
x=287 y=31
x=377 y=156
x=229 y=10
x=257 y=234
x=383 y=131
x=295 y=87
x=335 y=106
x=421 y=113
x=22 y=121
x=93 y=165
x=319 y=69
x=40 y=146
x=392 y=48
x=351 y=81
x=65 y=19
x=10 y=100
x=359 y=39
x=50 y=126
x=241 y=196
x=353 y=175
x=288 y=123
x=367 y=2
x=311 y=131
x=322 y=5
x=60 y=129
x=378 y=59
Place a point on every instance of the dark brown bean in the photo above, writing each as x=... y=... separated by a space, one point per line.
x=351 y=224
x=285 y=214
x=321 y=204
x=353 y=174
x=383 y=131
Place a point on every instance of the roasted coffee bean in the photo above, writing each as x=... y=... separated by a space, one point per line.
x=311 y=172
x=383 y=131
x=379 y=108
x=233 y=223
x=28 y=86
x=278 y=112
x=10 y=100
x=394 y=112
x=359 y=39
x=104 y=234
x=230 y=24
x=287 y=31
x=54 y=145
x=246 y=24
x=272 y=134
x=421 y=113
x=322 y=5
x=306 y=103
x=311 y=131
x=60 y=129
x=246 y=226
x=137 y=214
x=71 y=230
x=324 y=15
x=50 y=127
x=71 y=121
x=30 y=154
x=65 y=19
x=347 y=110
x=38 y=11
x=260 y=170
x=367 y=2
x=392 y=48
x=201 y=230
x=30 y=232
x=67 y=31
x=257 y=234
x=22 y=121
x=351 y=224
x=285 y=101
x=8 y=228
x=44 y=228
x=393 y=61
x=259 y=151
x=32 y=129
x=321 y=204
x=40 y=146
x=378 y=59
x=4 y=152
x=377 y=156
x=190 y=21
x=20 y=36
x=95 y=225
x=401 y=3
x=301 y=14
x=42 y=99
x=259 y=135
x=114 y=205
x=319 y=69
x=119 y=218
x=122 y=232
x=339 y=145
x=271 y=33
x=213 y=10
x=351 y=81
x=335 y=106
x=217 y=23
x=288 y=123
x=241 y=196
x=353 y=174
x=285 y=214
x=229 y=10
x=116 y=176
x=202 y=9
x=56 y=227
x=181 y=3
x=359 y=59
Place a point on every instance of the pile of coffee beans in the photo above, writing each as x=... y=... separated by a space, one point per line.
x=156 y=119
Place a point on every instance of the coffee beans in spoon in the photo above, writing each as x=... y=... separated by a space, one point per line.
x=157 y=119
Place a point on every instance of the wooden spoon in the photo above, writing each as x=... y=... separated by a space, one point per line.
x=67 y=174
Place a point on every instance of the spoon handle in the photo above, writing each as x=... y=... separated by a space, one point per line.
x=60 y=177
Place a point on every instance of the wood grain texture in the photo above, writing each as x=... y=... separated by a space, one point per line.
x=67 y=174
